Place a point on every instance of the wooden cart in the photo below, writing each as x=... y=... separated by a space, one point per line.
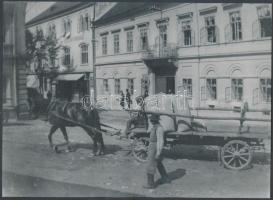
x=235 y=147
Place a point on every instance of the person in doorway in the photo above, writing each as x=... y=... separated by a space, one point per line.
x=156 y=143
x=122 y=103
x=49 y=95
x=146 y=94
x=128 y=99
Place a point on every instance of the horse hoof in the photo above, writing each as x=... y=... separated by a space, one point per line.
x=56 y=149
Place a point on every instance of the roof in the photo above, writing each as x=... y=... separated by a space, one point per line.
x=56 y=10
x=126 y=10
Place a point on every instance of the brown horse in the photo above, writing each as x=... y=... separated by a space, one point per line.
x=67 y=114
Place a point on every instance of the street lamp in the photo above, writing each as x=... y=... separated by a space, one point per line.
x=93 y=27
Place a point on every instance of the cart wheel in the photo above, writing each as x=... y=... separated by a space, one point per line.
x=236 y=155
x=140 y=149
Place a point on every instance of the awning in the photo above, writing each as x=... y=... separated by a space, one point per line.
x=69 y=77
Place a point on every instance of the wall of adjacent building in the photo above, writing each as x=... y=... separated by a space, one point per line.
x=249 y=57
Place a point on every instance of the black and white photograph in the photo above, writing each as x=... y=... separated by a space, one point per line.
x=135 y=99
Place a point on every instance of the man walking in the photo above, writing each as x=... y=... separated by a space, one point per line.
x=128 y=99
x=156 y=144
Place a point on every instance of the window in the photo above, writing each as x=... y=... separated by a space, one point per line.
x=187 y=32
x=211 y=29
x=143 y=38
x=66 y=60
x=105 y=85
x=116 y=43
x=163 y=35
x=66 y=26
x=52 y=30
x=117 y=86
x=237 y=89
x=83 y=23
x=84 y=54
x=236 y=26
x=131 y=85
x=104 y=45
x=212 y=88
x=265 y=88
x=265 y=20
x=187 y=85
x=129 y=41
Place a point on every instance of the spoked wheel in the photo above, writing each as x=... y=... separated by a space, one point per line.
x=140 y=149
x=236 y=155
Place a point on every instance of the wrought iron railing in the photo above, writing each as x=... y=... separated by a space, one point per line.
x=158 y=51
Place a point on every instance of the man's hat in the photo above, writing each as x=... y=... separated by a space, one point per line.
x=154 y=117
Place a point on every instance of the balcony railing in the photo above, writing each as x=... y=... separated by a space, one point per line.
x=209 y=35
x=8 y=49
x=157 y=51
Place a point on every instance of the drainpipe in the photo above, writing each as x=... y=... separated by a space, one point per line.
x=94 y=53
x=198 y=50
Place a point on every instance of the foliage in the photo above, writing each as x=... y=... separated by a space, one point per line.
x=41 y=49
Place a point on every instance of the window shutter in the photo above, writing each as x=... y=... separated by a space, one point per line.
x=227 y=33
x=228 y=94
x=203 y=93
x=192 y=37
x=203 y=35
x=255 y=29
x=255 y=96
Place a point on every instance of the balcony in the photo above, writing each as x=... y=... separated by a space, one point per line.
x=8 y=50
x=158 y=52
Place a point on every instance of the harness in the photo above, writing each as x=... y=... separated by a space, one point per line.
x=64 y=108
x=95 y=130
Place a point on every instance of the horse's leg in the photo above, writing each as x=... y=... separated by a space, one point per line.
x=99 y=138
x=52 y=130
x=63 y=129
x=91 y=134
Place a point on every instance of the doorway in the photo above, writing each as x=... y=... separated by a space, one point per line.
x=165 y=84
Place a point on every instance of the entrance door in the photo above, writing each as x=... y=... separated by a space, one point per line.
x=170 y=85
x=165 y=84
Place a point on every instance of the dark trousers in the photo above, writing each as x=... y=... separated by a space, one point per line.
x=153 y=163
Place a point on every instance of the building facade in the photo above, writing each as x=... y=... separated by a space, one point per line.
x=71 y=24
x=219 y=53
x=14 y=99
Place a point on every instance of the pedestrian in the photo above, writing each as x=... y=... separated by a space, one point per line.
x=49 y=95
x=128 y=99
x=122 y=99
x=146 y=94
x=156 y=143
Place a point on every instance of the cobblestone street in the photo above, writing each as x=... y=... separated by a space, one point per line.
x=194 y=170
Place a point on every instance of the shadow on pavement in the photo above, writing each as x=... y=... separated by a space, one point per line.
x=176 y=174
x=195 y=152
x=109 y=149
x=16 y=124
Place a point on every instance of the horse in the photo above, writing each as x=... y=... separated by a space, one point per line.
x=62 y=114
